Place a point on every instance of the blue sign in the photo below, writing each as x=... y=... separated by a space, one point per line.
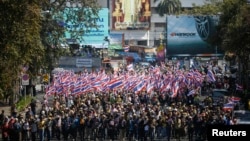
x=189 y=35
x=95 y=36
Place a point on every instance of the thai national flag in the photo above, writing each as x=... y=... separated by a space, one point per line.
x=59 y=90
x=115 y=84
x=192 y=92
x=228 y=106
x=50 y=90
x=126 y=48
x=140 y=87
x=239 y=87
x=150 y=87
x=77 y=90
x=130 y=67
x=234 y=99
x=175 y=89
x=210 y=76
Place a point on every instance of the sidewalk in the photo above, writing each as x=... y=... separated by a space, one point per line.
x=38 y=97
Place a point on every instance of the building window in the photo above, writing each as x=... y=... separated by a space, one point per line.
x=157 y=42
x=126 y=42
x=160 y=24
x=143 y=43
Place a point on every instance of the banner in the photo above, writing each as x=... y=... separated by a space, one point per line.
x=189 y=35
x=116 y=40
x=82 y=62
x=131 y=14
x=160 y=53
x=95 y=36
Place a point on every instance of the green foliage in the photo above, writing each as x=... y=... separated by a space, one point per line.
x=232 y=29
x=19 y=39
x=168 y=7
x=233 y=32
x=30 y=34
x=55 y=16
x=23 y=103
x=211 y=7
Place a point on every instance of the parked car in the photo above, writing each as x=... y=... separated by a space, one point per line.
x=219 y=95
x=241 y=116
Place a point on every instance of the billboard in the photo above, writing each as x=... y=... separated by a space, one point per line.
x=96 y=36
x=116 y=41
x=131 y=14
x=188 y=35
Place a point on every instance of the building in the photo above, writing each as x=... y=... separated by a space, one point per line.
x=155 y=27
x=141 y=25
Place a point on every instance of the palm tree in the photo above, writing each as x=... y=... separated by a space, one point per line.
x=168 y=7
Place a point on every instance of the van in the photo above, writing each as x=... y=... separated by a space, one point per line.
x=219 y=94
x=242 y=116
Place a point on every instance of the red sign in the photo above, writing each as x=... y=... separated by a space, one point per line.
x=25 y=79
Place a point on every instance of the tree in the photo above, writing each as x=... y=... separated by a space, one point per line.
x=31 y=34
x=168 y=7
x=61 y=16
x=232 y=30
x=236 y=35
x=19 y=40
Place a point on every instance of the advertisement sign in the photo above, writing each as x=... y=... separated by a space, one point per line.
x=188 y=35
x=83 y=62
x=131 y=14
x=116 y=40
x=95 y=36
x=160 y=53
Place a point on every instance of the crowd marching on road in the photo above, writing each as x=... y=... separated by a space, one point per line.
x=98 y=106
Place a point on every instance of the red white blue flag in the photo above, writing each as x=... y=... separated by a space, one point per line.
x=239 y=87
x=126 y=48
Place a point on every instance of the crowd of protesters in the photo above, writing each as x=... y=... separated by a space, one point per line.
x=120 y=115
